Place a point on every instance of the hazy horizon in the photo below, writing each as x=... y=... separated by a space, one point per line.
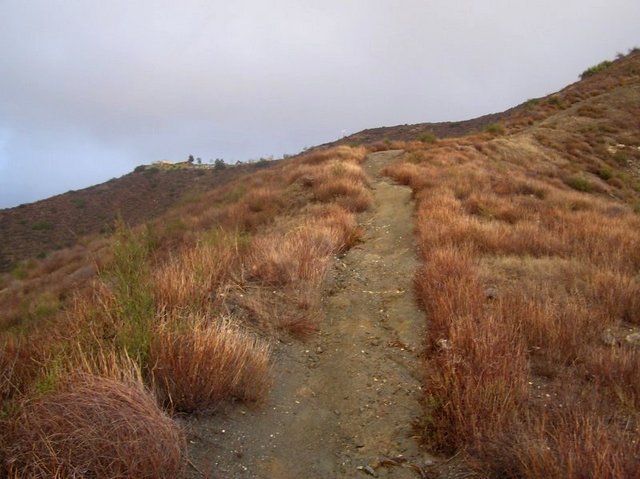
x=89 y=90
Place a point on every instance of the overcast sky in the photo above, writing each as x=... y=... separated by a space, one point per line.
x=89 y=89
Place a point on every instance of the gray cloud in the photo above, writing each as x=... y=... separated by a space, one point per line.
x=90 y=89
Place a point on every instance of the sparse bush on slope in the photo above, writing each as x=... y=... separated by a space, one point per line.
x=600 y=67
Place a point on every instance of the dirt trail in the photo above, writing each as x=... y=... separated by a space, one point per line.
x=345 y=399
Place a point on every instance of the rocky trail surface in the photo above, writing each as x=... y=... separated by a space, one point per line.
x=343 y=402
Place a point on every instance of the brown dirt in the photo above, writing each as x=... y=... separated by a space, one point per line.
x=346 y=399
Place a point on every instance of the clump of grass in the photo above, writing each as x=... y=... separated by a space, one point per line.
x=621 y=157
x=94 y=427
x=570 y=444
x=605 y=173
x=495 y=129
x=579 y=183
x=301 y=256
x=42 y=226
x=347 y=192
x=405 y=173
x=193 y=279
x=600 y=67
x=197 y=363
x=339 y=223
x=428 y=137
x=263 y=198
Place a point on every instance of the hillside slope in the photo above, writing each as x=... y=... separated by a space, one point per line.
x=36 y=229
x=530 y=239
x=273 y=316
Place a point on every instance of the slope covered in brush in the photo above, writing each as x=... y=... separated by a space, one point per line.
x=37 y=229
x=182 y=307
x=530 y=239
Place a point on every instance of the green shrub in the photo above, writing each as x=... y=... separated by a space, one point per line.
x=495 y=129
x=554 y=100
x=428 y=137
x=531 y=103
x=45 y=306
x=79 y=202
x=129 y=279
x=20 y=271
x=579 y=183
x=605 y=173
x=42 y=226
x=621 y=157
x=595 y=69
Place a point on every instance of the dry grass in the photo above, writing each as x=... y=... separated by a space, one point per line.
x=302 y=255
x=295 y=265
x=194 y=278
x=475 y=369
x=197 y=363
x=254 y=251
x=94 y=427
x=348 y=193
x=523 y=276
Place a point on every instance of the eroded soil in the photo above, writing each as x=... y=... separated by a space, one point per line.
x=343 y=402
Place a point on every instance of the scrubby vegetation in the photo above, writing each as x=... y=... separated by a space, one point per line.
x=531 y=290
x=528 y=234
x=94 y=426
x=190 y=301
x=595 y=69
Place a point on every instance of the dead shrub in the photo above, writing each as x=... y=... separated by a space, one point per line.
x=340 y=221
x=349 y=193
x=263 y=199
x=192 y=278
x=295 y=309
x=570 y=443
x=94 y=427
x=302 y=255
x=197 y=365
x=477 y=370
x=616 y=294
x=344 y=153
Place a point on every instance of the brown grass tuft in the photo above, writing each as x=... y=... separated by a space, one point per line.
x=192 y=279
x=94 y=427
x=197 y=365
